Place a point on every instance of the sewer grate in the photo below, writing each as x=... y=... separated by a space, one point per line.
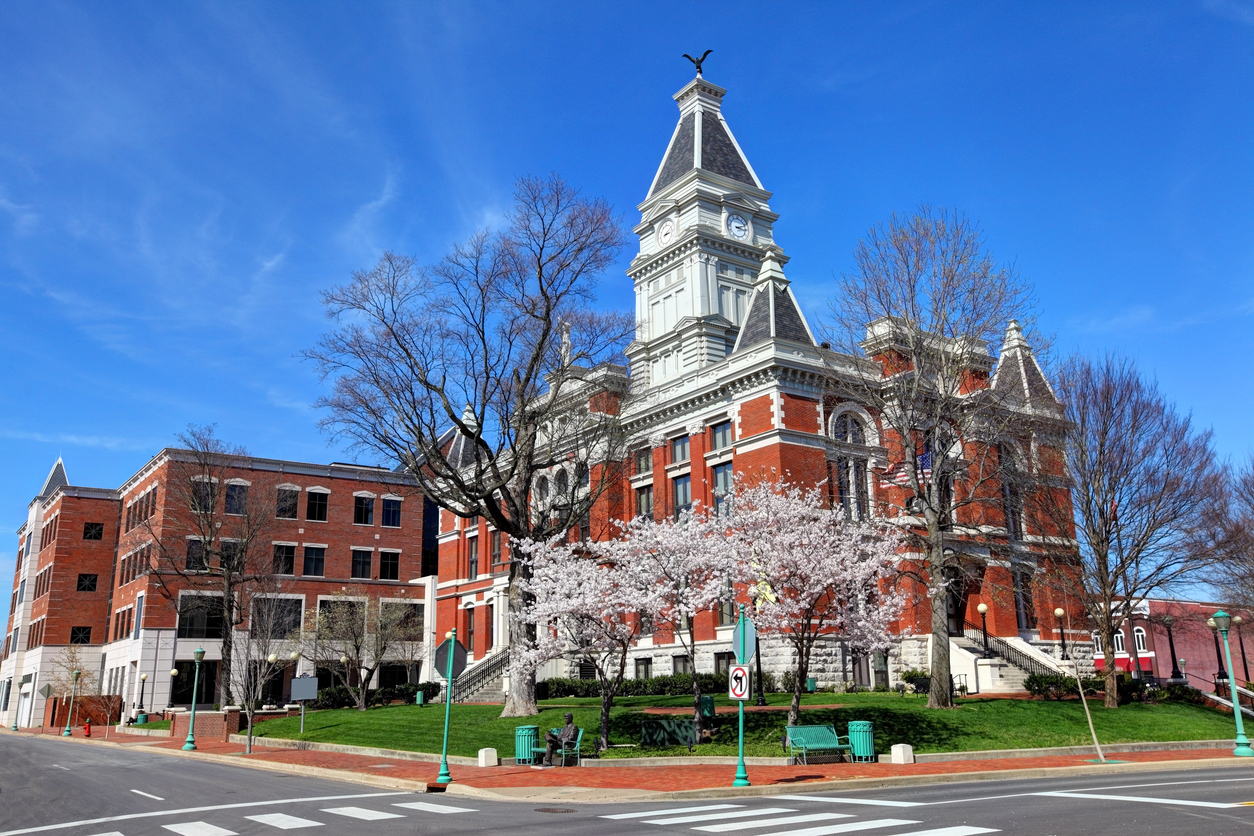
x=554 y=810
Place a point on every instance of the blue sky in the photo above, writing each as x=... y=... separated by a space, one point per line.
x=178 y=181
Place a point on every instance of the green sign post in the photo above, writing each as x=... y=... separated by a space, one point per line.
x=450 y=661
x=738 y=688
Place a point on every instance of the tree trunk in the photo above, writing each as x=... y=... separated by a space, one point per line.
x=248 y=747
x=939 y=695
x=1111 y=672
x=607 y=702
x=521 y=699
x=696 y=685
x=803 y=671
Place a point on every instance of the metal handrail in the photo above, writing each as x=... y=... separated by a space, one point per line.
x=1005 y=650
x=480 y=675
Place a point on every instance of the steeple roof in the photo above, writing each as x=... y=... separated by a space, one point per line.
x=1019 y=376
x=702 y=140
x=56 y=479
x=773 y=311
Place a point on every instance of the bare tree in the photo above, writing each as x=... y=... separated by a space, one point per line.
x=265 y=648
x=913 y=323
x=484 y=372
x=1234 y=575
x=1147 y=498
x=212 y=538
x=356 y=631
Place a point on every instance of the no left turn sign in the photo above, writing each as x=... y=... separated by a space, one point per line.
x=738 y=682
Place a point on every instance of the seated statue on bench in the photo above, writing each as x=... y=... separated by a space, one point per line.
x=554 y=742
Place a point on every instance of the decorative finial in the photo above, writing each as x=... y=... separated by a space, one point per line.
x=698 y=61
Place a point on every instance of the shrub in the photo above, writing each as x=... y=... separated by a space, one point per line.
x=911 y=674
x=788 y=682
x=674 y=685
x=340 y=697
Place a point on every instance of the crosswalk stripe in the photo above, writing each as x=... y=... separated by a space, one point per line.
x=746 y=825
x=283 y=821
x=362 y=813
x=110 y=833
x=660 y=812
x=739 y=814
x=958 y=830
x=871 y=802
x=199 y=828
x=1139 y=798
x=850 y=827
x=434 y=808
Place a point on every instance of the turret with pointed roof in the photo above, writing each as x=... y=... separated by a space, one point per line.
x=56 y=479
x=1019 y=377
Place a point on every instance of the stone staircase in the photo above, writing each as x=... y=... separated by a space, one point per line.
x=993 y=675
x=484 y=681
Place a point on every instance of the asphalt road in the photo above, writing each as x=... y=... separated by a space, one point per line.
x=68 y=789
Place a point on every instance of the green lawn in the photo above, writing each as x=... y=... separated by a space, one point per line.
x=975 y=724
x=155 y=724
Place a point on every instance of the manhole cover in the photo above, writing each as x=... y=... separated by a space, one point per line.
x=554 y=810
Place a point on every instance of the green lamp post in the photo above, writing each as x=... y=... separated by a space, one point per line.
x=70 y=713
x=445 y=776
x=1223 y=622
x=190 y=744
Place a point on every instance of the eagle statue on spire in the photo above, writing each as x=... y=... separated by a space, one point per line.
x=698 y=61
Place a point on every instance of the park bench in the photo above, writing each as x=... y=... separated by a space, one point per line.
x=567 y=748
x=807 y=740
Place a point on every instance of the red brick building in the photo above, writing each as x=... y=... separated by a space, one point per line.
x=95 y=579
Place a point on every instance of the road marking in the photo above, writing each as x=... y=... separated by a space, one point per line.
x=746 y=825
x=651 y=812
x=59 y=766
x=874 y=802
x=128 y=816
x=739 y=814
x=283 y=821
x=1138 y=798
x=828 y=830
x=148 y=795
x=111 y=833
x=199 y=828
x=434 y=808
x=362 y=813
x=959 y=830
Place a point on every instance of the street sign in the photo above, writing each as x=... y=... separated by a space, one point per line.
x=751 y=640
x=738 y=682
x=304 y=688
x=459 y=658
x=46 y=691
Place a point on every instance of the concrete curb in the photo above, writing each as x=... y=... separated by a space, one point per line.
x=1107 y=748
x=346 y=749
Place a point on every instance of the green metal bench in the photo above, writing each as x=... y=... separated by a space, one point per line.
x=566 y=748
x=807 y=740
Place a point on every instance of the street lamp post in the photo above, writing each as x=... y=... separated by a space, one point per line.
x=143 y=680
x=70 y=713
x=1167 y=621
x=174 y=675
x=190 y=744
x=982 y=609
x=1222 y=622
x=1059 y=612
x=1237 y=621
x=1219 y=656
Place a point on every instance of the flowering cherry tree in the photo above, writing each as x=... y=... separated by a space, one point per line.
x=811 y=572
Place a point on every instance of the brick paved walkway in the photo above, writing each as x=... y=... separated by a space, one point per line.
x=659 y=778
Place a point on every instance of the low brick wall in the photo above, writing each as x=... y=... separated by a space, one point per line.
x=211 y=725
x=98 y=710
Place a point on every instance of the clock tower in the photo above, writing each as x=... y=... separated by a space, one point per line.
x=705 y=230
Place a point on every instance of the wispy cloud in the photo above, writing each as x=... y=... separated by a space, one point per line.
x=1237 y=10
x=99 y=441
x=24 y=217
x=361 y=232
x=1129 y=320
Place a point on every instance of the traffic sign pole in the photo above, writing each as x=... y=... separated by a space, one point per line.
x=742 y=776
x=444 y=777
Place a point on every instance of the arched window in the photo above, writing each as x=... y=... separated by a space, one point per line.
x=850 y=468
x=1138 y=635
x=1011 y=481
x=542 y=490
x=561 y=484
x=1119 y=642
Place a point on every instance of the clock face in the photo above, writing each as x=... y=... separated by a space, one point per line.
x=738 y=227
x=666 y=232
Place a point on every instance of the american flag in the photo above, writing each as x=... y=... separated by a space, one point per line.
x=896 y=474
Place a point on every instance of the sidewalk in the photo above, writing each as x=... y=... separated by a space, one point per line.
x=572 y=784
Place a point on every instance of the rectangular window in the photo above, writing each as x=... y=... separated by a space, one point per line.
x=472 y=558
x=287 y=504
x=494 y=540
x=284 y=560
x=363 y=510
x=21 y=591
x=276 y=618
x=361 y=563
x=139 y=616
x=683 y=494
x=233 y=555
x=723 y=663
x=722 y=489
x=408 y=619
x=851 y=487
x=87 y=583
x=722 y=435
x=315 y=560
x=470 y=631
x=92 y=531
x=391 y=513
x=585 y=528
x=645 y=622
x=237 y=500
x=200 y=617
x=727 y=606
x=644 y=461
x=389 y=566
x=203 y=498
x=681 y=664
x=679 y=450
x=316 y=507
x=644 y=668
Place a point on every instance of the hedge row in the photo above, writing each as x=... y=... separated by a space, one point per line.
x=674 y=685
x=340 y=697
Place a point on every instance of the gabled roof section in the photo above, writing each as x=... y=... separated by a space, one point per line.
x=773 y=310
x=1019 y=376
x=56 y=479
x=702 y=140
